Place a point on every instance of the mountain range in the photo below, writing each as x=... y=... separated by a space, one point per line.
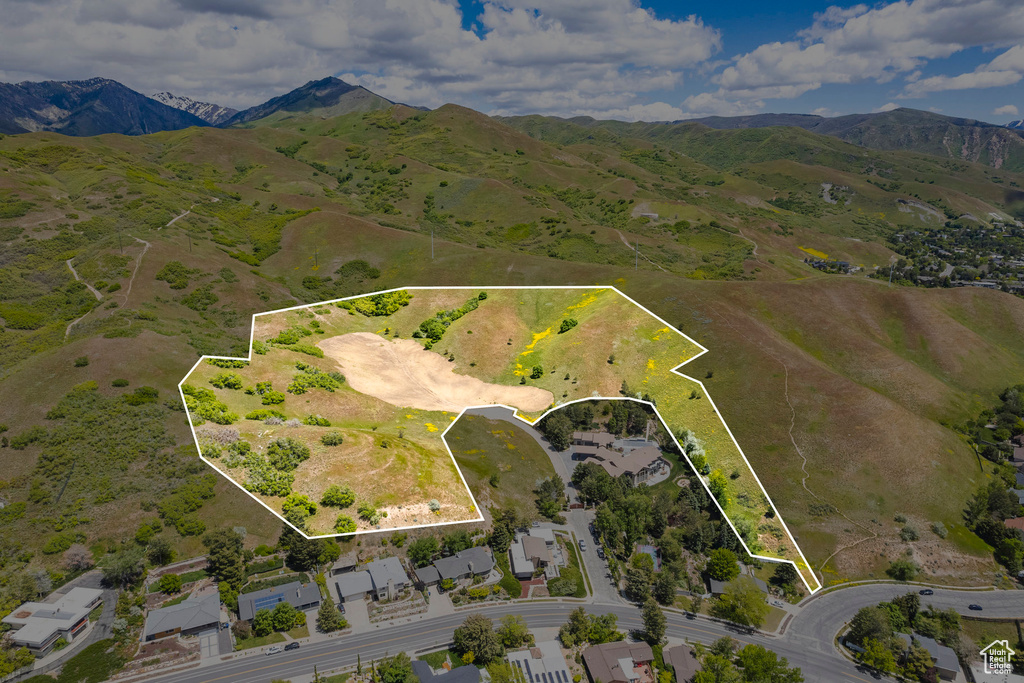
x=97 y=106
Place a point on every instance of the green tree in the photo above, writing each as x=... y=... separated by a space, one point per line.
x=513 y=631
x=125 y=567
x=576 y=630
x=785 y=576
x=225 y=561
x=397 y=669
x=306 y=554
x=877 y=656
x=918 y=663
x=344 y=524
x=170 y=583
x=870 y=623
x=502 y=672
x=262 y=623
x=557 y=428
x=338 y=497
x=902 y=570
x=655 y=622
x=328 y=618
x=664 y=589
x=297 y=507
x=761 y=665
x=477 y=635
x=722 y=565
x=1010 y=554
x=638 y=584
x=718 y=484
x=717 y=669
x=160 y=552
x=422 y=550
x=742 y=603
x=284 y=616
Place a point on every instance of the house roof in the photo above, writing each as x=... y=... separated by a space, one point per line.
x=1015 y=523
x=345 y=562
x=428 y=574
x=542 y=663
x=599 y=438
x=461 y=674
x=387 y=569
x=353 y=584
x=536 y=547
x=1020 y=479
x=683 y=661
x=603 y=661
x=520 y=563
x=185 y=616
x=632 y=463
x=945 y=657
x=37 y=622
x=476 y=560
x=293 y=593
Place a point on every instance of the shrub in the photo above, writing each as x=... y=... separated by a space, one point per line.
x=909 y=533
x=119 y=383
x=567 y=325
x=316 y=421
x=286 y=453
x=537 y=372
x=263 y=414
x=939 y=529
x=338 y=497
x=81 y=361
x=344 y=525
x=170 y=583
x=227 y=380
x=332 y=438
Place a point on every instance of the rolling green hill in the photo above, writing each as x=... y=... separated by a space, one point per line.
x=837 y=387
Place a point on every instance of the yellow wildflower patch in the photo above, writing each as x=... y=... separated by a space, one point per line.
x=814 y=252
x=430 y=427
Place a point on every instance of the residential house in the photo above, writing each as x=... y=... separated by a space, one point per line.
x=301 y=597
x=543 y=663
x=639 y=465
x=461 y=674
x=38 y=626
x=382 y=579
x=186 y=618
x=345 y=563
x=594 y=439
x=619 y=662
x=653 y=553
x=718 y=587
x=947 y=664
x=1019 y=480
x=683 y=662
x=528 y=554
x=1015 y=523
x=476 y=561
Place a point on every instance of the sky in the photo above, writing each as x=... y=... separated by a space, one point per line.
x=618 y=59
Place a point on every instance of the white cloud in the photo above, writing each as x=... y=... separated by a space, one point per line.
x=888 y=106
x=857 y=44
x=967 y=81
x=1006 y=110
x=544 y=56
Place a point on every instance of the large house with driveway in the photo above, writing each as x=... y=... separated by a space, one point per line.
x=466 y=564
x=189 y=617
x=38 y=626
x=301 y=597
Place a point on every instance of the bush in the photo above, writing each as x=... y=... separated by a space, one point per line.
x=170 y=583
x=567 y=325
x=227 y=380
x=316 y=421
x=344 y=525
x=332 y=438
x=81 y=361
x=909 y=533
x=286 y=453
x=119 y=383
x=263 y=414
x=338 y=497
x=939 y=529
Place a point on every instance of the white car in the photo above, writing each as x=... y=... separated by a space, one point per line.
x=274 y=650
x=583 y=545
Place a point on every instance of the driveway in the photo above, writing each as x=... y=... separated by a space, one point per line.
x=209 y=644
x=357 y=614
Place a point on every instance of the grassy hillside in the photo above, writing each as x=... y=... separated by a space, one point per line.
x=307 y=209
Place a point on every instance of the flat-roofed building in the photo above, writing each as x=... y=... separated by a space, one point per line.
x=39 y=625
x=543 y=663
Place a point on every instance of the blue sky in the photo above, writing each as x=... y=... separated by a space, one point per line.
x=604 y=58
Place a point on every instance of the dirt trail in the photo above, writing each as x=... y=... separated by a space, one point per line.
x=403 y=373
x=633 y=248
x=176 y=218
x=872 y=534
x=138 y=262
x=95 y=292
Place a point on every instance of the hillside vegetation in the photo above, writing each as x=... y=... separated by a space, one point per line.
x=836 y=387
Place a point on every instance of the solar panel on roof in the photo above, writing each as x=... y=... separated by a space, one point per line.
x=561 y=674
x=266 y=602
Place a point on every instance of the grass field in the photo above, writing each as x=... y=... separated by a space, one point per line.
x=836 y=387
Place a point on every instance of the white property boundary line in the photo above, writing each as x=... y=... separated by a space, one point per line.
x=515 y=412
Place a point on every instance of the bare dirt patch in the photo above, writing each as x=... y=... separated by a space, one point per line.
x=403 y=373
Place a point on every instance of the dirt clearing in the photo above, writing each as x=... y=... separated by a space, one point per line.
x=403 y=373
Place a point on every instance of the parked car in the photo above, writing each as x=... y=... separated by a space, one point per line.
x=583 y=545
x=291 y=646
x=274 y=650
x=600 y=552
x=974 y=608
x=926 y=591
x=535 y=525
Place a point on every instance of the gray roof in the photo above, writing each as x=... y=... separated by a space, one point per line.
x=293 y=593
x=461 y=674
x=353 y=584
x=185 y=616
x=945 y=657
x=476 y=560
x=428 y=574
x=385 y=569
x=1020 y=479
x=1020 y=495
x=683 y=661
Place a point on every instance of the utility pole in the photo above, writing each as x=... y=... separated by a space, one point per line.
x=189 y=242
x=890 y=273
x=636 y=249
x=120 y=246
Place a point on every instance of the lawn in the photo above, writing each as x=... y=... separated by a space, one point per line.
x=983 y=632
x=484 y=448
x=576 y=565
x=299 y=632
x=259 y=641
x=437 y=659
